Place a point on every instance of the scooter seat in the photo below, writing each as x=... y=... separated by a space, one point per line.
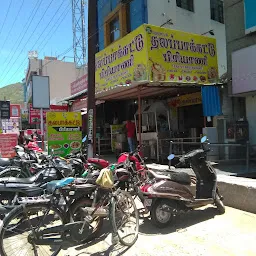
x=159 y=176
x=29 y=180
x=5 y=162
x=181 y=177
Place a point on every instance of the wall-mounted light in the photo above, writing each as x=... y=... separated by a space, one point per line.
x=168 y=22
x=211 y=32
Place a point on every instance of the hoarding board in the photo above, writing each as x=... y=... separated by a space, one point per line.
x=156 y=54
x=64 y=132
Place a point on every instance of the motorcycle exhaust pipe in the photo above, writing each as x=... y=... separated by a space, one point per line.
x=100 y=212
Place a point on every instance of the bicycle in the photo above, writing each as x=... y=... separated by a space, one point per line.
x=112 y=203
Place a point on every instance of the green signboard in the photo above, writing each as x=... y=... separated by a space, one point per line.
x=64 y=131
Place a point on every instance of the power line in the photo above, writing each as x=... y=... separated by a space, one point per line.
x=6 y=17
x=39 y=2
x=63 y=16
x=9 y=32
x=86 y=39
x=30 y=36
x=54 y=15
x=51 y=34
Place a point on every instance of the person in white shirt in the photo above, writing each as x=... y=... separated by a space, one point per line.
x=15 y=129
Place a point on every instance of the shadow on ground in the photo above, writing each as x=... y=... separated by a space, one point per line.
x=179 y=224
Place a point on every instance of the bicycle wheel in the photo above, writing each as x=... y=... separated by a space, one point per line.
x=124 y=213
x=17 y=239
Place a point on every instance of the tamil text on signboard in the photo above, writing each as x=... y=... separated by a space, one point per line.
x=186 y=100
x=7 y=143
x=155 y=54
x=64 y=132
x=79 y=85
x=5 y=109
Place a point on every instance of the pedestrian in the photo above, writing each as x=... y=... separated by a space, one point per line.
x=130 y=130
x=21 y=139
x=16 y=129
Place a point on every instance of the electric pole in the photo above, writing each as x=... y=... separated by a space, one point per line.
x=92 y=41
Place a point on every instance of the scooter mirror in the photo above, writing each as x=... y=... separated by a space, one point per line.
x=52 y=151
x=170 y=157
x=84 y=139
x=203 y=139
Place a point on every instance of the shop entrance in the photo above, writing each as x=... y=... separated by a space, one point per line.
x=191 y=120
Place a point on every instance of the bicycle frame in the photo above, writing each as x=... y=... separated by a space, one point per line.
x=69 y=230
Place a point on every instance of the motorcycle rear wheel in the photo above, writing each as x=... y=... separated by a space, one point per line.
x=160 y=218
x=13 y=172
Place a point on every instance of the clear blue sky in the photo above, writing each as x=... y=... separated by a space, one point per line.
x=20 y=33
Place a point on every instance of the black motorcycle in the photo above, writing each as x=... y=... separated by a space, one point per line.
x=12 y=187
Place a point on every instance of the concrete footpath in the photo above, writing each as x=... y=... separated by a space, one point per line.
x=197 y=233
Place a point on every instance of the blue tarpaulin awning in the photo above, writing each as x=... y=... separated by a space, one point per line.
x=211 y=101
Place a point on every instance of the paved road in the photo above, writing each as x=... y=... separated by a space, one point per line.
x=199 y=233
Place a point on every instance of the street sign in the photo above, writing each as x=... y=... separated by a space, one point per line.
x=5 y=109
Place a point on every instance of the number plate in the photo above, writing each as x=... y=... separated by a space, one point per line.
x=147 y=202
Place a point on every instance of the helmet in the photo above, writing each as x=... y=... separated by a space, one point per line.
x=19 y=148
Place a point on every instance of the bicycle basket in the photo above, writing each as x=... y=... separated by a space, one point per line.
x=105 y=179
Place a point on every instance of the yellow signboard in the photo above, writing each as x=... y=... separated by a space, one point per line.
x=64 y=131
x=122 y=62
x=154 y=54
x=186 y=100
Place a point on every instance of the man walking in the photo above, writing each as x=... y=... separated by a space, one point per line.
x=130 y=129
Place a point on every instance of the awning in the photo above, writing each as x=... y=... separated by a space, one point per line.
x=148 y=90
x=211 y=101
x=74 y=96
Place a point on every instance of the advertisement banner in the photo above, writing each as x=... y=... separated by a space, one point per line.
x=122 y=62
x=64 y=132
x=11 y=125
x=155 y=54
x=177 y=56
x=186 y=100
x=7 y=143
x=79 y=104
x=5 y=109
x=79 y=85
x=34 y=114
x=15 y=110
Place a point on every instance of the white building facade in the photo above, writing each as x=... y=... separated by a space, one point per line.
x=194 y=16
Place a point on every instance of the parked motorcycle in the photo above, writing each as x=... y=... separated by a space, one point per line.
x=11 y=187
x=165 y=198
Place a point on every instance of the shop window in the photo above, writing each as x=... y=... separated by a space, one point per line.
x=217 y=10
x=186 y=4
x=115 y=25
x=114 y=30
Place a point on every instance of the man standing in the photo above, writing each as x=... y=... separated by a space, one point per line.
x=130 y=129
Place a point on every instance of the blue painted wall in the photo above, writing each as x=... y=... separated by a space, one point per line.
x=137 y=16
x=250 y=18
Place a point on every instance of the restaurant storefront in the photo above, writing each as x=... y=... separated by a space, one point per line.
x=154 y=65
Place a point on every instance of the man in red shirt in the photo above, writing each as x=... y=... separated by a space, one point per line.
x=130 y=128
